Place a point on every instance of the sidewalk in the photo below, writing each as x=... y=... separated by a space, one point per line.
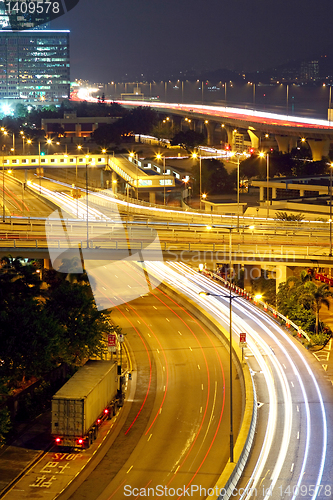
x=325 y=356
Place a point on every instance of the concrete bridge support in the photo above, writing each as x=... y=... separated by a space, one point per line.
x=231 y=136
x=283 y=142
x=282 y=273
x=255 y=138
x=319 y=148
x=210 y=128
x=152 y=197
x=114 y=182
x=251 y=272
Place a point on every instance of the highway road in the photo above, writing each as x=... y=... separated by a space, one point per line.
x=293 y=452
x=175 y=435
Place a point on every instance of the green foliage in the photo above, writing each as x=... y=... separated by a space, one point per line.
x=5 y=424
x=214 y=178
x=188 y=140
x=41 y=328
x=301 y=299
x=289 y=217
x=266 y=287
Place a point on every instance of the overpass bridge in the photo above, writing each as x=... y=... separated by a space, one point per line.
x=287 y=130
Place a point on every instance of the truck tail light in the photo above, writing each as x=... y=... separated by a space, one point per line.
x=80 y=441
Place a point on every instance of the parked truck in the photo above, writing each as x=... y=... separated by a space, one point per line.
x=79 y=407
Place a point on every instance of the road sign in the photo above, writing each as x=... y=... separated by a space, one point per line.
x=111 y=340
x=120 y=337
x=242 y=340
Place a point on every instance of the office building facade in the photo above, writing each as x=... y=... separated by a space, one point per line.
x=34 y=65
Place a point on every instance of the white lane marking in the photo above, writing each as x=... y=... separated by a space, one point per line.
x=190 y=348
x=154 y=307
x=164 y=368
x=139 y=322
x=297 y=408
x=167 y=319
x=179 y=333
x=177 y=469
x=103 y=287
x=284 y=366
x=149 y=437
x=298 y=435
x=200 y=409
x=129 y=469
x=148 y=334
x=292 y=467
x=199 y=367
x=202 y=387
x=157 y=351
x=292 y=384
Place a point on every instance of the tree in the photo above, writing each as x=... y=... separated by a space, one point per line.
x=318 y=296
x=214 y=178
x=139 y=120
x=188 y=140
x=106 y=135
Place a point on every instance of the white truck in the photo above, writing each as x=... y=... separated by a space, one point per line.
x=79 y=407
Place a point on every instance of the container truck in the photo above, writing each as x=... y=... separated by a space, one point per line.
x=79 y=407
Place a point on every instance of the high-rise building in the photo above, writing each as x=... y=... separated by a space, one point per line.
x=34 y=65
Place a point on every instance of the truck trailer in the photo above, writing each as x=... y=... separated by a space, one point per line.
x=79 y=407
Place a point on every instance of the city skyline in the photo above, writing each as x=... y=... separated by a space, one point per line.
x=109 y=42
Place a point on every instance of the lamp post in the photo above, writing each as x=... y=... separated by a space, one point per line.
x=195 y=156
x=331 y=168
x=87 y=202
x=231 y=429
x=262 y=155
x=3 y=192
x=162 y=157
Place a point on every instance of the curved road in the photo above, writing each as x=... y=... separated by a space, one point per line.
x=294 y=445
x=180 y=423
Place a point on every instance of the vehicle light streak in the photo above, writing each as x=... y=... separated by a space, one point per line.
x=190 y=283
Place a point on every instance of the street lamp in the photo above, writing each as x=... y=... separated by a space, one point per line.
x=230 y=342
x=87 y=202
x=160 y=157
x=331 y=168
x=195 y=156
x=262 y=155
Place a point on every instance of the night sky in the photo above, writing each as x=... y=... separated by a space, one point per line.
x=110 y=38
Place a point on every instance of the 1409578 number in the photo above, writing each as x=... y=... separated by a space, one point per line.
x=22 y=7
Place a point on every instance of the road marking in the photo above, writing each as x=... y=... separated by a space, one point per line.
x=129 y=469
x=292 y=384
x=164 y=389
x=292 y=467
x=126 y=308
x=139 y=322
x=200 y=409
x=167 y=319
x=199 y=367
x=298 y=435
x=190 y=348
x=179 y=332
x=284 y=366
x=160 y=410
x=148 y=334
x=202 y=387
x=177 y=469
x=154 y=307
x=129 y=286
x=149 y=437
x=157 y=351
x=297 y=408
x=164 y=368
x=103 y=287
x=115 y=275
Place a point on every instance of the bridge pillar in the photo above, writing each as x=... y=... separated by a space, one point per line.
x=282 y=273
x=47 y=264
x=283 y=142
x=255 y=139
x=319 y=148
x=273 y=193
x=292 y=142
x=261 y=193
x=152 y=197
x=251 y=272
x=210 y=128
x=231 y=136
x=114 y=182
